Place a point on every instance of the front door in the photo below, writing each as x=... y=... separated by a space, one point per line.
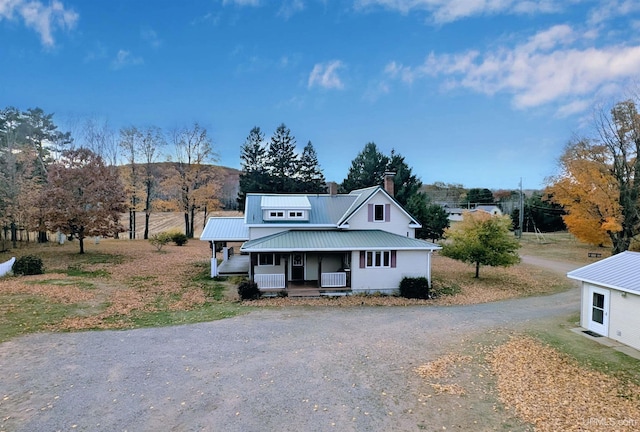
x=599 y=311
x=297 y=267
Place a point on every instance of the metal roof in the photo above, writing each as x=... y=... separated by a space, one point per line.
x=621 y=272
x=225 y=229
x=335 y=240
x=285 y=202
x=325 y=209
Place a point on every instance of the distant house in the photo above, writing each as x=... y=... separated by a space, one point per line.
x=491 y=209
x=360 y=242
x=610 y=300
x=455 y=213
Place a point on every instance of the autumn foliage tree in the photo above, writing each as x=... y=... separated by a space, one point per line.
x=83 y=197
x=599 y=182
x=482 y=239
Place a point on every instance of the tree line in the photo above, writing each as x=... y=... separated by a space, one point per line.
x=50 y=181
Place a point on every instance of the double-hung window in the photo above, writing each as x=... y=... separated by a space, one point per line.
x=378 y=212
x=265 y=259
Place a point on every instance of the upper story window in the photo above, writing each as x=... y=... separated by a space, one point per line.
x=276 y=215
x=296 y=215
x=378 y=212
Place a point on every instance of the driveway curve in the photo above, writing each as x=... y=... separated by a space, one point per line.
x=293 y=369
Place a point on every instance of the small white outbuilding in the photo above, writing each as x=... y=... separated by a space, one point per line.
x=610 y=297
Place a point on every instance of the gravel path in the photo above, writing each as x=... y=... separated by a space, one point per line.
x=295 y=369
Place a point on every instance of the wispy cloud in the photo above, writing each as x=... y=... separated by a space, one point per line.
x=150 y=36
x=325 y=75
x=124 y=58
x=45 y=20
x=550 y=66
x=290 y=8
x=445 y=11
x=241 y=2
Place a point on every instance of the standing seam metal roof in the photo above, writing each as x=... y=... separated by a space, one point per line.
x=323 y=240
x=621 y=271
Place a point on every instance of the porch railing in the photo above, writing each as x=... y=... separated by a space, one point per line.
x=269 y=281
x=333 y=280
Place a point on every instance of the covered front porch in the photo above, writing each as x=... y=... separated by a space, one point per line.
x=302 y=273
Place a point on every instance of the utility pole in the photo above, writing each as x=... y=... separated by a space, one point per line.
x=521 y=212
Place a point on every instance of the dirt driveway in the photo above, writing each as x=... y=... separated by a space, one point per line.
x=294 y=369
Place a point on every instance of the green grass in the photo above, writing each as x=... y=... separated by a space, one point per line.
x=64 y=282
x=77 y=271
x=24 y=314
x=586 y=352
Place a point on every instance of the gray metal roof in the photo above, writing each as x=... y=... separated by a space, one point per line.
x=335 y=240
x=621 y=272
x=325 y=209
x=285 y=202
x=225 y=229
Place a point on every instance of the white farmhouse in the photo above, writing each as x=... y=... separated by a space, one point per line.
x=360 y=242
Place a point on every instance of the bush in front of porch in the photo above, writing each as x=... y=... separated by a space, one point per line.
x=248 y=290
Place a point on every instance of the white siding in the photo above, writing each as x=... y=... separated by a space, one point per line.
x=387 y=280
x=624 y=321
x=398 y=223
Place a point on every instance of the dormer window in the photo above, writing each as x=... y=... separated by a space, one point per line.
x=276 y=215
x=296 y=215
x=283 y=208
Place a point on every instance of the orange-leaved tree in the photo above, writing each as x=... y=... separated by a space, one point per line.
x=599 y=185
x=83 y=196
x=588 y=192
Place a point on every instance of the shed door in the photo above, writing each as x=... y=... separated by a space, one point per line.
x=599 y=310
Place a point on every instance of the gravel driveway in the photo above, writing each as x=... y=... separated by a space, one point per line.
x=294 y=369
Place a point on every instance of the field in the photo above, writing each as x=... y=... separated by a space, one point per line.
x=128 y=283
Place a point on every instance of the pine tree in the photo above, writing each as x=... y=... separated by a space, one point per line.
x=282 y=161
x=405 y=183
x=366 y=170
x=311 y=178
x=253 y=177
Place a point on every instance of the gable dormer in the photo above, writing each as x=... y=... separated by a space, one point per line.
x=285 y=208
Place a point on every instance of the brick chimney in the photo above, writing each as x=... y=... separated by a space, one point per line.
x=388 y=182
x=333 y=187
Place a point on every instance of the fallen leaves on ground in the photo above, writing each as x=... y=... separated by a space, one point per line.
x=440 y=371
x=551 y=391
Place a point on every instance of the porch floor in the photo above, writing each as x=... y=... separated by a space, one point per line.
x=235 y=265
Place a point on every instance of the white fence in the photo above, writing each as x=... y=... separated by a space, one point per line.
x=333 y=280
x=270 y=281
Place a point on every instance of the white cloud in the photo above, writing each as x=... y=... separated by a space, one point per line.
x=125 y=58
x=446 y=11
x=326 y=75
x=151 y=37
x=290 y=8
x=43 y=19
x=548 y=67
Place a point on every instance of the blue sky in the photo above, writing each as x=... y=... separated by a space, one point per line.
x=474 y=92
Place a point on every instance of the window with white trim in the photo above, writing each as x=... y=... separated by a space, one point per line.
x=378 y=259
x=378 y=212
x=296 y=215
x=266 y=259
x=276 y=215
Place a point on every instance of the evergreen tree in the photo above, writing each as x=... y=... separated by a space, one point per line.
x=282 y=161
x=254 y=176
x=405 y=183
x=311 y=178
x=366 y=170
x=433 y=218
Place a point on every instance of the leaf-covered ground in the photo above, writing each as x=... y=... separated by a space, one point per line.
x=536 y=384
